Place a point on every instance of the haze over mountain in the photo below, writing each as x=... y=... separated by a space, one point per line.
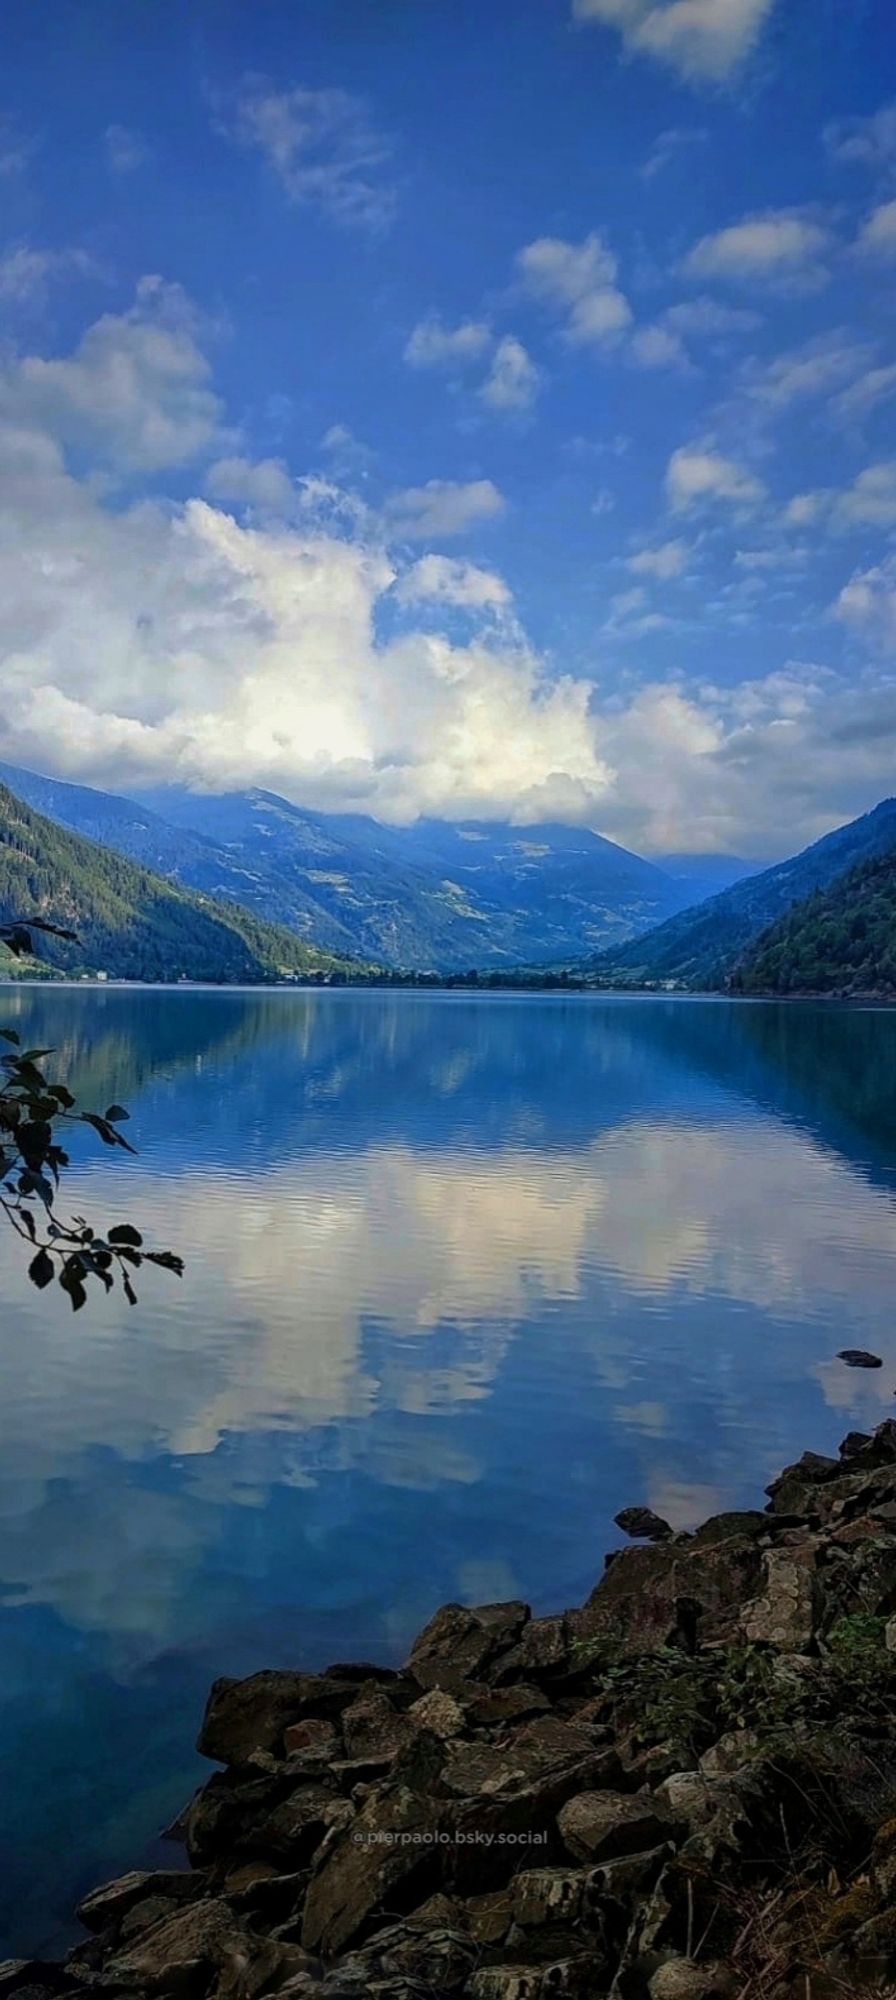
x=701 y=947
x=431 y=895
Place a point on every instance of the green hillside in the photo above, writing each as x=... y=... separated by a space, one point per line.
x=838 y=940
x=131 y=923
x=700 y=948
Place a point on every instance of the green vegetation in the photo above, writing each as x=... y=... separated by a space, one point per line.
x=839 y=940
x=131 y=923
x=34 y=1111
x=700 y=948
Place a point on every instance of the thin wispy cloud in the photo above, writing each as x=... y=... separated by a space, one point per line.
x=322 y=146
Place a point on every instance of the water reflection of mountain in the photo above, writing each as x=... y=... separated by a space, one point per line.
x=283 y=1073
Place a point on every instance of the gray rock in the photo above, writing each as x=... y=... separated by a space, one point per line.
x=390 y=1847
x=787 y=1613
x=110 y=1903
x=682 y=1979
x=254 y=1713
x=181 y=1955
x=457 y=1643
x=439 y=1712
x=598 y=1826
x=643 y=1524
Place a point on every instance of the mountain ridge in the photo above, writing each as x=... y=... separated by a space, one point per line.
x=131 y=922
x=701 y=946
x=437 y=896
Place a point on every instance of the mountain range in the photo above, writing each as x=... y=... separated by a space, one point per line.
x=432 y=896
x=130 y=922
x=702 y=947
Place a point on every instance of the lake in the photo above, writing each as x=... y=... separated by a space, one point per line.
x=464 y=1276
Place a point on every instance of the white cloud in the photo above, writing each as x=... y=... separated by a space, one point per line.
x=322 y=147
x=25 y=272
x=263 y=483
x=868 y=604
x=513 y=380
x=668 y=560
x=125 y=149
x=875 y=386
x=805 y=508
x=877 y=237
x=698 y=473
x=443 y=580
x=706 y=317
x=871 y=500
x=704 y=40
x=579 y=279
x=805 y=371
x=781 y=246
x=434 y=345
x=668 y=147
x=658 y=347
x=443 y=507
x=869 y=142
x=136 y=390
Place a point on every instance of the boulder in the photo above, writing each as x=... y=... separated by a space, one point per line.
x=674 y=1592
x=439 y=1712
x=457 y=1643
x=490 y=1707
x=544 y=1745
x=371 y=1728
x=315 y=1739
x=643 y=1524
x=183 y=1954
x=110 y=1903
x=598 y=1826
x=254 y=1713
x=787 y=1613
x=389 y=1852
x=683 y=1979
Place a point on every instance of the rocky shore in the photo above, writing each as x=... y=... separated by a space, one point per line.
x=683 y=1790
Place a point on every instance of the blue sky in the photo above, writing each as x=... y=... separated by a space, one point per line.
x=432 y=407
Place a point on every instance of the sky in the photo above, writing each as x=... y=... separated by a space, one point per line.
x=427 y=407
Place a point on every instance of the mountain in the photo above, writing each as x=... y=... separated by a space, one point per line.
x=429 y=896
x=837 y=940
x=132 y=923
x=701 y=946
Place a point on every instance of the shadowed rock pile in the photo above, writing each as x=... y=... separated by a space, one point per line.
x=684 y=1790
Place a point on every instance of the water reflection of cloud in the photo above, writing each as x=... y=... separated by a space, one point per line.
x=331 y=1305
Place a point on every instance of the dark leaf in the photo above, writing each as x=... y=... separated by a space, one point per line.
x=41 y=1270
x=117 y=1114
x=9 y=1035
x=124 y=1232
x=129 y=1291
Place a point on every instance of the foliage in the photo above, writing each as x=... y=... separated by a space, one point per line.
x=33 y=1109
x=700 y=947
x=689 y=1700
x=100 y=912
x=839 y=940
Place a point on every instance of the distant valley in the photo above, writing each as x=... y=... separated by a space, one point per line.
x=435 y=896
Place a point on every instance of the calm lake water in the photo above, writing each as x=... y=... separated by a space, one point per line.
x=464 y=1276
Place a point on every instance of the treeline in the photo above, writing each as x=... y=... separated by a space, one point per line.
x=838 y=940
x=131 y=923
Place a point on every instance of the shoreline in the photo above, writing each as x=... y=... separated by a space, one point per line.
x=683 y=1789
x=559 y=989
